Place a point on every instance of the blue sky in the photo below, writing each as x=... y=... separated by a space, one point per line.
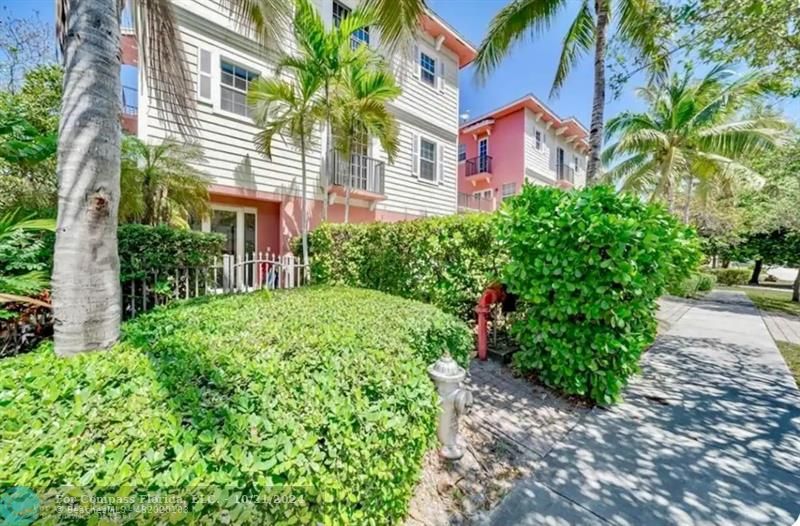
x=529 y=67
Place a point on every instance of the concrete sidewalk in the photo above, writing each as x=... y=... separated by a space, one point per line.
x=708 y=434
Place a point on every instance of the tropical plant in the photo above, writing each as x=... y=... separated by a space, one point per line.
x=588 y=267
x=692 y=133
x=359 y=111
x=22 y=273
x=160 y=183
x=291 y=109
x=325 y=54
x=523 y=18
x=86 y=291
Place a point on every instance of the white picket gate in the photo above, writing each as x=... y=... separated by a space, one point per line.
x=227 y=275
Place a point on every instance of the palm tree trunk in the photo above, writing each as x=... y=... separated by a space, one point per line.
x=303 y=209
x=328 y=145
x=687 y=209
x=86 y=289
x=347 y=201
x=599 y=102
x=796 y=288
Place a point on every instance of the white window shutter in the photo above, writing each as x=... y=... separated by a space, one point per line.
x=204 y=75
x=441 y=74
x=414 y=153
x=440 y=164
x=415 y=68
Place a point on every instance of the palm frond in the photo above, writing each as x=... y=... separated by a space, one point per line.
x=398 y=20
x=578 y=40
x=637 y=27
x=518 y=20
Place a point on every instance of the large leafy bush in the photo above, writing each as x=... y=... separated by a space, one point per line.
x=731 y=276
x=447 y=261
x=146 y=250
x=323 y=390
x=588 y=266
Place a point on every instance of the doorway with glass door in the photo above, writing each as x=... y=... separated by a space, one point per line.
x=238 y=226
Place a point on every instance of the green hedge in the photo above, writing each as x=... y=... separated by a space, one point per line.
x=692 y=285
x=324 y=389
x=588 y=266
x=147 y=249
x=446 y=261
x=731 y=276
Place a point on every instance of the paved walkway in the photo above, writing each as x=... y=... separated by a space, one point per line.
x=708 y=434
x=782 y=326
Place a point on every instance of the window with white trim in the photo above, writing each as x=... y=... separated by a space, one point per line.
x=576 y=162
x=234 y=83
x=538 y=136
x=509 y=189
x=427 y=159
x=427 y=68
x=485 y=195
x=360 y=36
x=462 y=152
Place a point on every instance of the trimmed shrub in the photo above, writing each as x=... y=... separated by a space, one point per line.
x=692 y=285
x=323 y=391
x=145 y=250
x=687 y=287
x=446 y=261
x=705 y=281
x=731 y=276
x=588 y=266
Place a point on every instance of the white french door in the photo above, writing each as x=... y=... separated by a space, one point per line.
x=238 y=225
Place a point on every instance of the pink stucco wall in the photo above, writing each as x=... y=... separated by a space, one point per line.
x=279 y=216
x=507 y=149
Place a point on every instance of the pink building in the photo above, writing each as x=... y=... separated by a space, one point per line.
x=521 y=141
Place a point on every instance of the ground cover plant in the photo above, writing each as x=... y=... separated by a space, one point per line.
x=317 y=394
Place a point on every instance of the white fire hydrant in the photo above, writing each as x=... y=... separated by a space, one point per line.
x=454 y=401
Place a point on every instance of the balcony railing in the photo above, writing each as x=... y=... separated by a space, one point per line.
x=476 y=203
x=359 y=172
x=478 y=165
x=565 y=173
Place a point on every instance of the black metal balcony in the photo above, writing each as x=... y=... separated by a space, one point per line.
x=359 y=172
x=565 y=173
x=478 y=165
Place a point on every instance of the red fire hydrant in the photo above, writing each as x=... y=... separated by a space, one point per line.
x=493 y=294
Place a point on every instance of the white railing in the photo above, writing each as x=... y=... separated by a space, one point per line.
x=476 y=203
x=227 y=275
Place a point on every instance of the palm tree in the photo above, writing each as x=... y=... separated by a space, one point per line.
x=291 y=109
x=86 y=290
x=160 y=184
x=589 y=29
x=359 y=110
x=325 y=53
x=692 y=135
x=17 y=280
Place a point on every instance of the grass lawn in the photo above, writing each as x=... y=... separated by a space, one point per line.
x=780 y=300
x=791 y=353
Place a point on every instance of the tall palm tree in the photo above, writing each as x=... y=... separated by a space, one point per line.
x=588 y=30
x=326 y=52
x=291 y=109
x=86 y=290
x=360 y=112
x=692 y=135
x=159 y=183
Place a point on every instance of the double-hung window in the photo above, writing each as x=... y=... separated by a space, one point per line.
x=576 y=163
x=360 y=36
x=462 y=152
x=538 y=136
x=427 y=159
x=427 y=68
x=509 y=189
x=234 y=83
